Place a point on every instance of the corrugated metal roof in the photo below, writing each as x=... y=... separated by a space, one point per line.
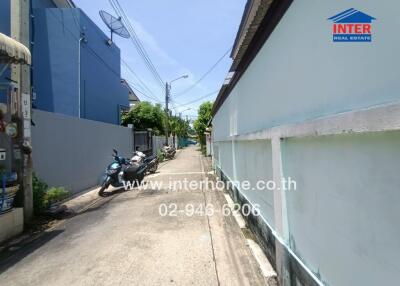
x=254 y=13
x=64 y=3
x=259 y=20
x=12 y=51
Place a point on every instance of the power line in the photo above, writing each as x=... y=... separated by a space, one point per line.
x=87 y=46
x=136 y=41
x=201 y=98
x=205 y=74
x=139 y=79
x=133 y=85
x=101 y=59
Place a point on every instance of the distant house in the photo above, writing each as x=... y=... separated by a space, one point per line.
x=74 y=71
x=133 y=98
x=296 y=104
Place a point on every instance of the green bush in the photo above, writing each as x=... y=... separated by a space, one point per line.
x=160 y=155
x=54 y=195
x=39 y=193
x=43 y=197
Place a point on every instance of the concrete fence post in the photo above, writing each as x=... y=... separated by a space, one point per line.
x=280 y=212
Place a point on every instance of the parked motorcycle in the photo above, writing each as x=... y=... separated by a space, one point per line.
x=168 y=151
x=151 y=161
x=122 y=170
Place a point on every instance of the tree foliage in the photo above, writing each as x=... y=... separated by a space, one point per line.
x=179 y=127
x=145 y=115
x=200 y=124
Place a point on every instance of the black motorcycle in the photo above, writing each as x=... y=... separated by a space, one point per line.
x=150 y=161
x=121 y=172
x=168 y=152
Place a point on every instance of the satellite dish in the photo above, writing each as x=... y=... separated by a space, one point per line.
x=115 y=25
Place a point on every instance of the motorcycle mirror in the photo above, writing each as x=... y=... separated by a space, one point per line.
x=115 y=152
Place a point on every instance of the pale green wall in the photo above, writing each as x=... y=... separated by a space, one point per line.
x=254 y=163
x=343 y=218
x=301 y=74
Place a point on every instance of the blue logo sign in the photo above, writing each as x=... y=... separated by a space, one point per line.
x=352 y=26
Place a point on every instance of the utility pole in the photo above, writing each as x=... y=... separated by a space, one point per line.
x=20 y=75
x=166 y=112
x=167 y=91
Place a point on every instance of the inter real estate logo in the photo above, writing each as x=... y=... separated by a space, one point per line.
x=352 y=26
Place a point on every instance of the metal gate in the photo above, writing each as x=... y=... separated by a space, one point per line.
x=143 y=141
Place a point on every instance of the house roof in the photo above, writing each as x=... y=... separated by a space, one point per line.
x=132 y=94
x=352 y=16
x=64 y=3
x=259 y=19
x=254 y=12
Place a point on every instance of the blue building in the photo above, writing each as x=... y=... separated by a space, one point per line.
x=75 y=71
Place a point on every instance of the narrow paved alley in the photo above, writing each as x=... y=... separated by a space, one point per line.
x=134 y=238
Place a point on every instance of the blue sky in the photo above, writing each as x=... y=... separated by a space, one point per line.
x=180 y=37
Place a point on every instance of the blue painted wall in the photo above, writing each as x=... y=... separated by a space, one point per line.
x=55 y=54
x=43 y=4
x=5 y=17
x=56 y=67
x=55 y=61
x=5 y=28
x=102 y=92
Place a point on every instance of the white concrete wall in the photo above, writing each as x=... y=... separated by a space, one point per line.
x=342 y=219
x=11 y=224
x=158 y=143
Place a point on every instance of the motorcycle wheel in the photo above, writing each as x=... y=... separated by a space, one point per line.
x=139 y=181
x=104 y=187
x=153 y=169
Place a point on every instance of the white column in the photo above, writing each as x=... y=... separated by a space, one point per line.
x=280 y=212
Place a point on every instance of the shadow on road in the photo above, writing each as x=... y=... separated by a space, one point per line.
x=113 y=192
x=14 y=253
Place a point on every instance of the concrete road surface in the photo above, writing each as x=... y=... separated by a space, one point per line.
x=124 y=240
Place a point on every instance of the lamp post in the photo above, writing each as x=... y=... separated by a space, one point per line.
x=167 y=94
x=180 y=113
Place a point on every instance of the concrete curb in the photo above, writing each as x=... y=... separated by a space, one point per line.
x=265 y=266
x=82 y=201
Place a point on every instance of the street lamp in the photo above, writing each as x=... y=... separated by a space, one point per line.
x=182 y=111
x=167 y=91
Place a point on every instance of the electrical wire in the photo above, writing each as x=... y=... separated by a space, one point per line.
x=201 y=98
x=133 y=85
x=94 y=53
x=205 y=74
x=139 y=79
x=153 y=97
x=136 y=41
